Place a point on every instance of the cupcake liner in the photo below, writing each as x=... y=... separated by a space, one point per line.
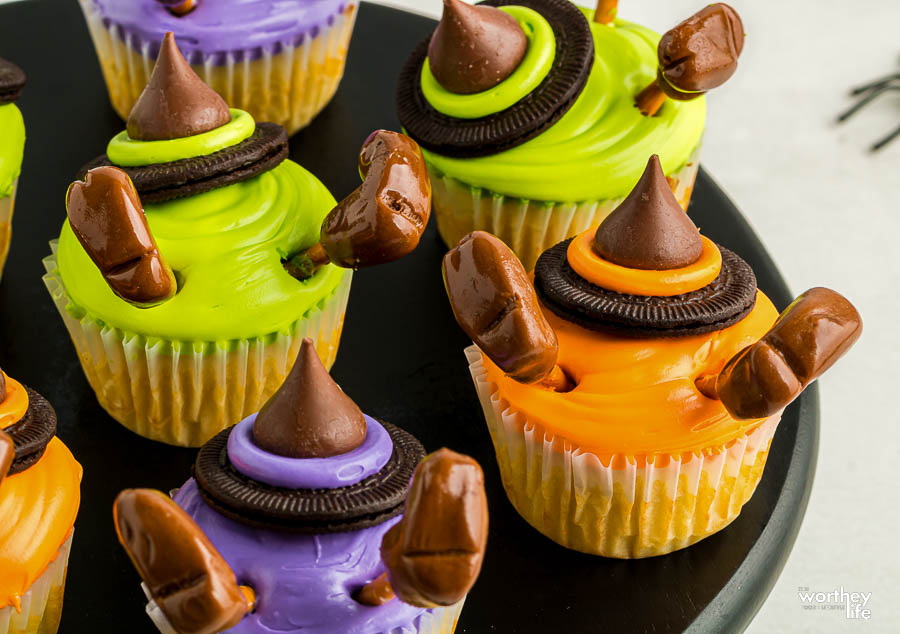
x=288 y=85
x=618 y=506
x=528 y=227
x=42 y=604
x=7 y=204
x=185 y=392
x=435 y=621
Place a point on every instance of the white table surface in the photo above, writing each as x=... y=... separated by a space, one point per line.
x=829 y=213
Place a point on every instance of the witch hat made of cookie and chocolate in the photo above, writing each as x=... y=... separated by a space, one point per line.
x=175 y=105
x=12 y=81
x=27 y=425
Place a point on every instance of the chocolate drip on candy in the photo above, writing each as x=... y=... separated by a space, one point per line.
x=106 y=215
x=175 y=103
x=309 y=416
x=806 y=340
x=474 y=48
x=698 y=55
x=383 y=219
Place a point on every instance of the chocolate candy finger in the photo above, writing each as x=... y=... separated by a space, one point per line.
x=808 y=338
x=106 y=216
x=187 y=577
x=7 y=454
x=434 y=555
x=495 y=304
x=383 y=219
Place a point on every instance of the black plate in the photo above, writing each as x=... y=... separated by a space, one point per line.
x=401 y=359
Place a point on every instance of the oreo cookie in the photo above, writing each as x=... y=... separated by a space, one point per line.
x=524 y=120
x=262 y=151
x=32 y=432
x=366 y=503
x=12 y=80
x=723 y=302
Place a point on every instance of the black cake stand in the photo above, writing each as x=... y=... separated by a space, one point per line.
x=401 y=359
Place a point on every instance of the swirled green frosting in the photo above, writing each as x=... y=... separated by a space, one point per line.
x=12 y=146
x=599 y=148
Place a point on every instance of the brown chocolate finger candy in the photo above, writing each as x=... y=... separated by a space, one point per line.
x=106 y=216
x=434 y=554
x=187 y=577
x=808 y=338
x=383 y=219
x=7 y=453
x=495 y=304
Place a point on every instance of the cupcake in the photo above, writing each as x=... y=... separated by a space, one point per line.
x=12 y=147
x=40 y=491
x=536 y=117
x=280 y=61
x=310 y=517
x=632 y=385
x=196 y=257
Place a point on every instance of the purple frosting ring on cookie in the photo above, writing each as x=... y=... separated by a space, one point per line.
x=309 y=473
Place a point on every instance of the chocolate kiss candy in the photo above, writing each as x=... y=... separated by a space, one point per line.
x=434 y=554
x=702 y=52
x=649 y=230
x=383 y=219
x=106 y=216
x=176 y=103
x=309 y=416
x=808 y=338
x=187 y=577
x=495 y=304
x=7 y=453
x=475 y=48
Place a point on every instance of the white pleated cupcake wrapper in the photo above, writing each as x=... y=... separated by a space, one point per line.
x=572 y=497
x=7 y=204
x=288 y=86
x=42 y=604
x=436 y=621
x=528 y=227
x=183 y=393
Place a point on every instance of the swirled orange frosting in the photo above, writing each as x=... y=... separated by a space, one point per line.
x=636 y=397
x=37 y=508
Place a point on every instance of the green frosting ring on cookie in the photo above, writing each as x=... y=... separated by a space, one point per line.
x=226 y=247
x=600 y=146
x=127 y=152
x=12 y=147
x=528 y=75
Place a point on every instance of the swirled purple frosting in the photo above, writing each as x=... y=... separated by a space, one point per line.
x=309 y=473
x=218 y=30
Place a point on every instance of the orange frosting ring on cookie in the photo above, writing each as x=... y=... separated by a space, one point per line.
x=620 y=279
x=14 y=406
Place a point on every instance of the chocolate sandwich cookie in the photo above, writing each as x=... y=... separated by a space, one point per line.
x=524 y=120
x=266 y=148
x=32 y=432
x=12 y=80
x=367 y=503
x=727 y=300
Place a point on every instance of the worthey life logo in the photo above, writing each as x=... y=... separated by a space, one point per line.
x=852 y=604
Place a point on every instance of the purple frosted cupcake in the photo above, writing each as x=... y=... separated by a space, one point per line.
x=280 y=61
x=311 y=517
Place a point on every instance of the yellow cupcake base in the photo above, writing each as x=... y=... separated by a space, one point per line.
x=42 y=604
x=7 y=204
x=620 y=508
x=183 y=393
x=528 y=227
x=288 y=88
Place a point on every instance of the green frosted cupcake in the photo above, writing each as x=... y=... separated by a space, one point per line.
x=12 y=148
x=536 y=139
x=192 y=265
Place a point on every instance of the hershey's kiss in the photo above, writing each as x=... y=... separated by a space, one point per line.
x=475 y=48
x=176 y=103
x=309 y=416
x=649 y=230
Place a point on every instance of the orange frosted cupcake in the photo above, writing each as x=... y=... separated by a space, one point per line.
x=633 y=383
x=39 y=498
